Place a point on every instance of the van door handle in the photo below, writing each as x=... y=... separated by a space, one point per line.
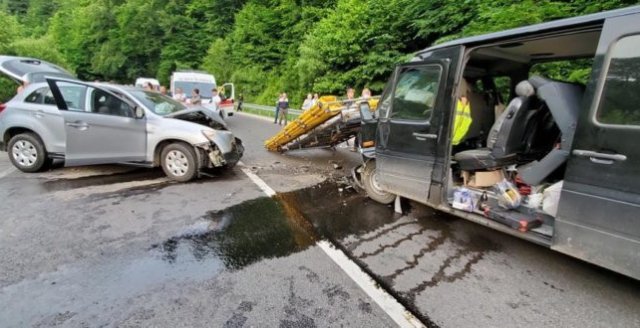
x=424 y=136
x=78 y=125
x=600 y=158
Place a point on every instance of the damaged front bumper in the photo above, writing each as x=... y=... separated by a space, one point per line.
x=210 y=155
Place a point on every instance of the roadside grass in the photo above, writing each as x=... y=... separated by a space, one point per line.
x=266 y=113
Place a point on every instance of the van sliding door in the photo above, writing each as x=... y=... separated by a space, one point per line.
x=598 y=217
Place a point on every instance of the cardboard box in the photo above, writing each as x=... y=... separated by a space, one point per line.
x=482 y=179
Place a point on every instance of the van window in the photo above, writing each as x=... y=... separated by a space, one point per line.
x=415 y=93
x=620 y=102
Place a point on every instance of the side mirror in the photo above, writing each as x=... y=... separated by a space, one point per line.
x=138 y=112
x=365 y=111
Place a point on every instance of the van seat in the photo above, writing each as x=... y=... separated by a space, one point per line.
x=505 y=139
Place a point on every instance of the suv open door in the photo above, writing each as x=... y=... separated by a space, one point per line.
x=409 y=130
x=598 y=217
x=100 y=126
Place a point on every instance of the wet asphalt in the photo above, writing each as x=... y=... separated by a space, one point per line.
x=111 y=246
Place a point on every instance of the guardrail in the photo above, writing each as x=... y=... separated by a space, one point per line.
x=271 y=109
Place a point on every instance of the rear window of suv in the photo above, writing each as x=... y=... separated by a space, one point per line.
x=41 y=96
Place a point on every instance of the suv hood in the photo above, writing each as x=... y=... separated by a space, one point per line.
x=200 y=115
x=30 y=70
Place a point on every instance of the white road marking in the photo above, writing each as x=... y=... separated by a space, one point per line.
x=396 y=311
x=7 y=172
x=256 y=179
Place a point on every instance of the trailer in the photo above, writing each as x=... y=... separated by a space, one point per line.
x=325 y=125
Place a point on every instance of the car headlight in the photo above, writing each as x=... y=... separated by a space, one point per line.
x=209 y=134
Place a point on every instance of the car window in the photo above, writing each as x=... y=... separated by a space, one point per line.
x=620 y=101
x=41 y=96
x=74 y=96
x=157 y=103
x=102 y=102
x=415 y=93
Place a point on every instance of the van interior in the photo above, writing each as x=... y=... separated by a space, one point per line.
x=525 y=96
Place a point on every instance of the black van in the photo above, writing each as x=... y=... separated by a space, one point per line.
x=534 y=131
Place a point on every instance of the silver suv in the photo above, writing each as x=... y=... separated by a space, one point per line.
x=59 y=117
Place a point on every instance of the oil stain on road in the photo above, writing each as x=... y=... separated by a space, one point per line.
x=266 y=228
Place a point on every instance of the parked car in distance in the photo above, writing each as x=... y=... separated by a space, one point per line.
x=95 y=123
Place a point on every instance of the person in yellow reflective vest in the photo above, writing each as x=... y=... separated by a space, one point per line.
x=462 y=120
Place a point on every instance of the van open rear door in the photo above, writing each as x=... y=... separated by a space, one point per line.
x=227 y=105
x=598 y=217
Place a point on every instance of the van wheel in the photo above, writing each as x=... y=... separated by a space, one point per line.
x=179 y=162
x=27 y=152
x=372 y=187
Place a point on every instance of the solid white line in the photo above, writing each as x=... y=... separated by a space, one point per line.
x=7 y=172
x=256 y=179
x=390 y=305
x=396 y=311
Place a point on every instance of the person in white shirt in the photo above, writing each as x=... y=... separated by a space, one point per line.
x=215 y=98
x=179 y=95
x=308 y=103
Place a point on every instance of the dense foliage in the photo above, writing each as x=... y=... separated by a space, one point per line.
x=263 y=46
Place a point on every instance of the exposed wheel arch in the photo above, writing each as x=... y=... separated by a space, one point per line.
x=14 y=131
x=160 y=145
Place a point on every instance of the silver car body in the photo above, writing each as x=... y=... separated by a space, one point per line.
x=84 y=137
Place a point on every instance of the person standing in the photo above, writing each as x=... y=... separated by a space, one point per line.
x=215 y=98
x=275 y=119
x=195 y=97
x=366 y=93
x=240 y=101
x=179 y=95
x=283 y=107
x=163 y=90
x=351 y=93
x=308 y=102
x=315 y=99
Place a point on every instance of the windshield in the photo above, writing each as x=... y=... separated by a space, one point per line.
x=187 y=87
x=157 y=103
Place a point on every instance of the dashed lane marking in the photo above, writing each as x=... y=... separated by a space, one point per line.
x=396 y=311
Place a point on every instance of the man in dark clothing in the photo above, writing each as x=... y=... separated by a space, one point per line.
x=275 y=119
x=240 y=101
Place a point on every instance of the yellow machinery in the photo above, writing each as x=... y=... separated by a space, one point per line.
x=326 y=124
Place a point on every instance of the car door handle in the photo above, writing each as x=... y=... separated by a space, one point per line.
x=600 y=158
x=424 y=136
x=78 y=125
x=39 y=113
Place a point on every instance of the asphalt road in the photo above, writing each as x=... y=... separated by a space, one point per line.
x=111 y=246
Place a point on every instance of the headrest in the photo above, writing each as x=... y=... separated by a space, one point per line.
x=525 y=89
x=538 y=81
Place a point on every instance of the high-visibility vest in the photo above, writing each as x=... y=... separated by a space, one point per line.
x=462 y=122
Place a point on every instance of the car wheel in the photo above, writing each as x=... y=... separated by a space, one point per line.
x=372 y=186
x=179 y=162
x=27 y=153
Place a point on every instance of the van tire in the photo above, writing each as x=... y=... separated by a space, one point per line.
x=179 y=162
x=30 y=154
x=369 y=181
